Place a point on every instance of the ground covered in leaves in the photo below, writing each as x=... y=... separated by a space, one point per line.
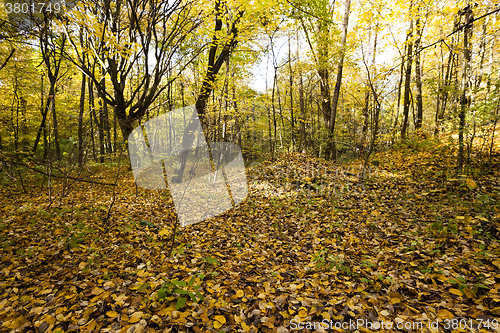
x=412 y=246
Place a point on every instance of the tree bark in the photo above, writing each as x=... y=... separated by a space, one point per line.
x=467 y=12
x=336 y=90
x=418 y=72
x=406 y=100
x=291 y=90
x=55 y=125
x=80 y=121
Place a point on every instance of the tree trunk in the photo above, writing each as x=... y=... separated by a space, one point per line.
x=418 y=72
x=302 y=119
x=444 y=92
x=214 y=65
x=406 y=100
x=336 y=90
x=467 y=12
x=106 y=125
x=55 y=125
x=115 y=132
x=80 y=121
x=400 y=84
x=92 y=118
x=101 y=132
x=291 y=90
x=44 y=111
x=364 y=133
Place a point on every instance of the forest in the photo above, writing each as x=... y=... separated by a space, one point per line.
x=249 y=166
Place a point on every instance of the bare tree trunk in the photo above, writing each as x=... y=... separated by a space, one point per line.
x=444 y=92
x=291 y=90
x=467 y=12
x=80 y=121
x=302 y=119
x=100 y=127
x=418 y=72
x=92 y=118
x=336 y=90
x=236 y=115
x=274 y=112
x=439 y=91
x=55 y=125
x=406 y=101
x=366 y=119
x=44 y=111
x=400 y=84
x=214 y=65
x=105 y=120
x=115 y=130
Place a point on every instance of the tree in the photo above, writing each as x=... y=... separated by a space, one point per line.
x=338 y=82
x=135 y=44
x=418 y=70
x=52 y=50
x=214 y=64
x=409 y=60
x=467 y=27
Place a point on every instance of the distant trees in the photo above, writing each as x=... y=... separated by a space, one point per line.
x=70 y=82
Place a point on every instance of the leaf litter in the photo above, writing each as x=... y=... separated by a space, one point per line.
x=313 y=241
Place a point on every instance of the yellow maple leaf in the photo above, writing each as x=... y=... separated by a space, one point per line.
x=244 y=326
x=163 y=232
x=471 y=184
x=456 y=292
x=111 y=314
x=135 y=317
x=445 y=314
x=97 y=291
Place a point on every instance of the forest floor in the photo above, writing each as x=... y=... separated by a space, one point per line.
x=410 y=247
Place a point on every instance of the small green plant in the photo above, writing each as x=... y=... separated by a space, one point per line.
x=181 y=290
x=323 y=261
x=211 y=261
x=178 y=251
x=460 y=280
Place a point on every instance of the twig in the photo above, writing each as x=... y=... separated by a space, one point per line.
x=64 y=177
x=21 y=178
x=106 y=219
x=173 y=237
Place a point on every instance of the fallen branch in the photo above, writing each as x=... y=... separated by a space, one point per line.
x=63 y=177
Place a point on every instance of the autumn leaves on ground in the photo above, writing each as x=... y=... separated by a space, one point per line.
x=410 y=243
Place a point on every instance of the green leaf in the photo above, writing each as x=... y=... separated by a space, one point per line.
x=181 y=291
x=193 y=297
x=180 y=303
x=191 y=281
x=200 y=296
x=452 y=281
x=161 y=294
x=179 y=283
